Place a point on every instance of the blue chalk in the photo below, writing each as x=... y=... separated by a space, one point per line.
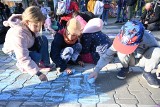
x=91 y=80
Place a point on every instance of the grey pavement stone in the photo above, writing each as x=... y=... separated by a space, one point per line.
x=5 y=96
x=40 y=92
x=3 y=103
x=127 y=101
x=33 y=104
x=88 y=99
x=14 y=104
x=128 y=105
x=53 y=99
x=107 y=105
x=88 y=105
x=143 y=97
x=147 y=105
x=70 y=105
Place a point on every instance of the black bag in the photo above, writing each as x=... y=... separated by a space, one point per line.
x=131 y=2
x=3 y=31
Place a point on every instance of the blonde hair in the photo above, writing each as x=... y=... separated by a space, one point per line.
x=33 y=14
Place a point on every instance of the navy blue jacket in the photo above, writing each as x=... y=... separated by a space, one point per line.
x=90 y=41
x=56 y=47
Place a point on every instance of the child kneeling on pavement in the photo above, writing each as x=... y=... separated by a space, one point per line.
x=23 y=43
x=134 y=46
x=65 y=47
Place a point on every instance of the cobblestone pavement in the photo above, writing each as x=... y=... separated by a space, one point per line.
x=23 y=90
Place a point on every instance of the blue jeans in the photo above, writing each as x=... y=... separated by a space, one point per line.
x=71 y=53
x=105 y=15
x=120 y=14
x=41 y=54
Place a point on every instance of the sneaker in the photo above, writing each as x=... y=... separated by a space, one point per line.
x=117 y=21
x=120 y=22
x=152 y=81
x=122 y=73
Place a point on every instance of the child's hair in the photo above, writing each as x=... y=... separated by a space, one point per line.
x=75 y=14
x=33 y=14
x=51 y=14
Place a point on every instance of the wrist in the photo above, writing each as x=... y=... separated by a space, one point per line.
x=38 y=73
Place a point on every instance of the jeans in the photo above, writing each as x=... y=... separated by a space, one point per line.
x=71 y=53
x=105 y=15
x=120 y=14
x=41 y=55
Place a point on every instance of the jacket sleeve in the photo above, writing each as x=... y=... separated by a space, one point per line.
x=105 y=59
x=144 y=15
x=20 y=46
x=56 y=48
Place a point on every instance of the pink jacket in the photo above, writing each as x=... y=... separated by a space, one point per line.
x=18 y=40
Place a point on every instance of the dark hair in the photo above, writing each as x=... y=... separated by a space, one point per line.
x=51 y=13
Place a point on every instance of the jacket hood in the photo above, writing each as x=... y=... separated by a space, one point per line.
x=14 y=20
x=93 y=25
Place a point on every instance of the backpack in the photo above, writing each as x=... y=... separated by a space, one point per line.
x=61 y=8
x=98 y=8
x=131 y=2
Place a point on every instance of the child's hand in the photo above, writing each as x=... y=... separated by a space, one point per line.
x=81 y=63
x=43 y=77
x=93 y=75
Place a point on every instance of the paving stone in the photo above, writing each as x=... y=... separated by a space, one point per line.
x=111 y=67
x=127 y=101
x=87 y=98
x=35 y=99
x=70 y=97
x=3 y=103
x=14 y=104
x=40 y=92
x=88 y=105
x=128 y=105
x=140 y=95
x=24 y=92
x=53 y=93
x=107 y=105
x=53 y=99
x=145 y=105
x=137 y=69
x=136 y=87
x=74 y=84
x=33 y=104
x=19 y=98
x=5 y=96
x=52 y=75
x=51 y=104
x=157 y=102
x=118 y=65
x=70 y=105
x=124 y=95
x=44 y=85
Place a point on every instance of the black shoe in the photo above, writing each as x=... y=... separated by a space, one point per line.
x=122 y=73
x=120 y=22
x=152 y=81
x=117 y=21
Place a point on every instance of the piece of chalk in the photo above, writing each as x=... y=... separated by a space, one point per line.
x=91 y=80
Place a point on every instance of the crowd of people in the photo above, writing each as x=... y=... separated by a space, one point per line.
x=78 y=39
